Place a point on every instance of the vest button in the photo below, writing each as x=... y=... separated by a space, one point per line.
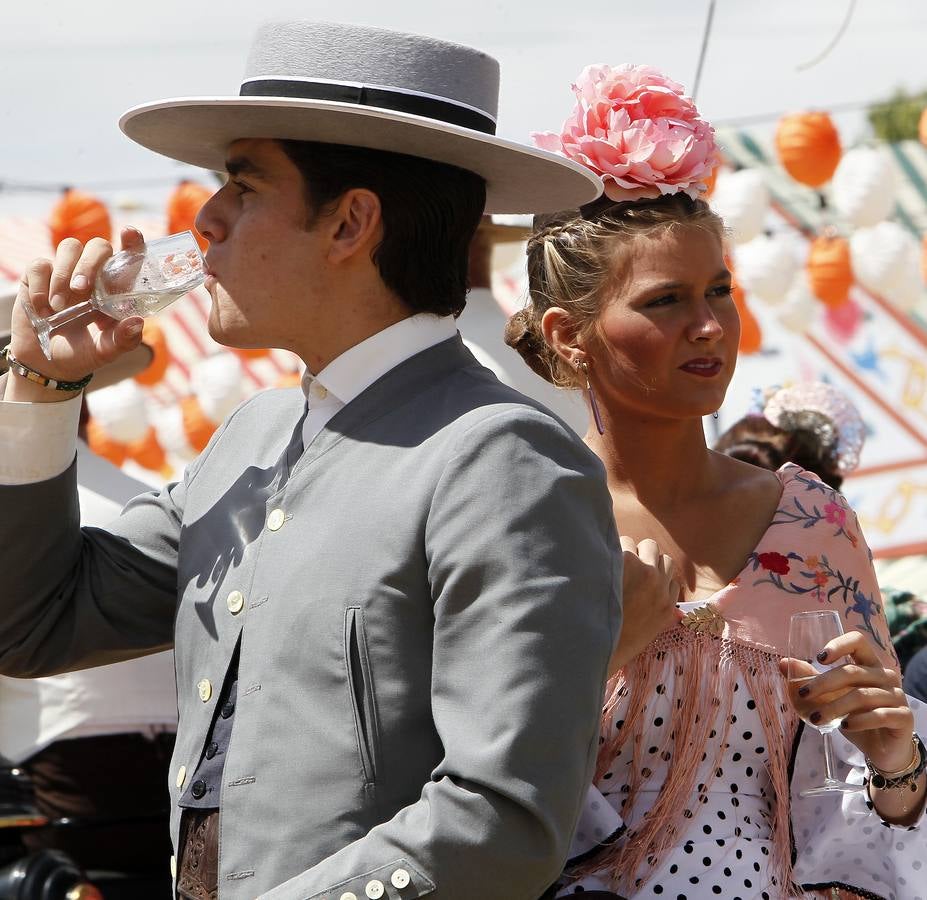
x=235 y=602
x=374 y=889
x=348 y=895
x=276 y=519
x=227 y=709
x=198 y=789
x=212 y=750
x=204 y=689
x=181 y=776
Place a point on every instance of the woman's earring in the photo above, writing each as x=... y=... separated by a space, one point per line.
x=592 y=401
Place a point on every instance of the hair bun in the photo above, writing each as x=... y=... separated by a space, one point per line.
x=520 y=336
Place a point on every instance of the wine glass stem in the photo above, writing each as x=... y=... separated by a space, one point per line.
x=828 y=757
x=70 y=314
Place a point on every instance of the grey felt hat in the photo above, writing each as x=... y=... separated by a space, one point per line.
x=127 y=366
x=368 y=87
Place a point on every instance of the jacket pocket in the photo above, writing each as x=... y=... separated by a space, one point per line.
x=360 y=686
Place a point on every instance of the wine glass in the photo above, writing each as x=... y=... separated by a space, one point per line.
x=808 y=633
x=136 y=282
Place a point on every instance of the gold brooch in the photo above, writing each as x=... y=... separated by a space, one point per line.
x=705 y=619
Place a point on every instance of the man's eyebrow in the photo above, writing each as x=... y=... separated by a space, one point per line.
x=241 y=165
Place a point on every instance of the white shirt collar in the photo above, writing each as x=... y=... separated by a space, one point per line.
x=351 y=373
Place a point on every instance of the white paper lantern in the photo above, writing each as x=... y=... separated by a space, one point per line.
x=741 y=199
x=863 y=187
x=217 y=383
x=121 y=411
x=168 y=425
x=886 y=261
x=766 y=267
x=797 y=313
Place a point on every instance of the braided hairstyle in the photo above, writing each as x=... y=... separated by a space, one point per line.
x=574 y=255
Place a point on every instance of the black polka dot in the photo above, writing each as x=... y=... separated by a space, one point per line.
x=706 y=829
x=748 y=735
x=706 y=861
x=716 y=889
x=658 y=721
x=751 y=704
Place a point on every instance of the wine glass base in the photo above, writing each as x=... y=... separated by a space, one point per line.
x=831 y=786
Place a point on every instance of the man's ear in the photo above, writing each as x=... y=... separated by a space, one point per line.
x=355 y=226
x=560 y=333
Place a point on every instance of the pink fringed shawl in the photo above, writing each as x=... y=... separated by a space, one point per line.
x=812 y=556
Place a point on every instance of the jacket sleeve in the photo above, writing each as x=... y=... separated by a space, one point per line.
x=525 y=578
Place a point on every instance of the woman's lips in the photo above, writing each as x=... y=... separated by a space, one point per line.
x=705 y=368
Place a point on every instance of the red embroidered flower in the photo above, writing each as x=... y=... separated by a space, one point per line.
x=836 y=515
x=820 y=579
x=774 y=562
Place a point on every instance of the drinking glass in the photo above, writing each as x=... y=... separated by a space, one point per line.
x=137 y=282
x=808 y=633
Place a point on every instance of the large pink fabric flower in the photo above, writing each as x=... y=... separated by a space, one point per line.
x=635 y=128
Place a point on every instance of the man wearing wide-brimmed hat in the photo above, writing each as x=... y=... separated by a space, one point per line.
x=392 y=594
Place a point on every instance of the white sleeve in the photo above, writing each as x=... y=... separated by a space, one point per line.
x=38 y=440
x=841 y=839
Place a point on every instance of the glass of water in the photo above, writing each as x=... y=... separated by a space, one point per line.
x=137 y=282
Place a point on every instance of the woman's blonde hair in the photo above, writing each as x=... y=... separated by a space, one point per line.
x=573 y=255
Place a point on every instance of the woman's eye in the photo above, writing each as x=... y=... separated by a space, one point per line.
x=241 y=187
x=662 y=301
x=723 y=290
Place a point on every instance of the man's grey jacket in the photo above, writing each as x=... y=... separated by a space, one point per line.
x=431 y=592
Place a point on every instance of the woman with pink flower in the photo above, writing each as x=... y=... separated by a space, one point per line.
x=702 y=756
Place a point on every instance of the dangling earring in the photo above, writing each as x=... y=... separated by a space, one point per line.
x=714 y=415
x=582 y=364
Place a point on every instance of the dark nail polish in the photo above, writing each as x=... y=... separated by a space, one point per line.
x=822 y=656
x=804 y=690
x=815 y=717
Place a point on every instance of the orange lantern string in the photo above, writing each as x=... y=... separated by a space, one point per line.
x=830 y=270
x=149 y=453
x=103 y=445
x=809 y=147
x=922 y=127
x=183 y=206
x=153 y=336
x=79 y=215
x=751 y=337
x=196 y=426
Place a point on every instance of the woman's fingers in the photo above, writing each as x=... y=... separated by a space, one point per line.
x=858 y=700
x=649 y=552
x=131 y=238
x=855 y=644
x=896 y=718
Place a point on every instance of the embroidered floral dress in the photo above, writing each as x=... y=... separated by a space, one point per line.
x=702 y=757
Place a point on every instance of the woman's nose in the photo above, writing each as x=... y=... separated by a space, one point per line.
x=705 y=326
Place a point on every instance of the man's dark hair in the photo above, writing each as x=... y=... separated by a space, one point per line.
x=430 y=213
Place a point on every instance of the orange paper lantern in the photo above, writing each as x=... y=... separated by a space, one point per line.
x=153 y=336
x=712 y=178
x=751 y=337
x=830 y=270
x=103 y=445
x=197 y=428
x=149 y=453
x=922 y=127
x=250 y=354
x=183 y=207
x=79 y=215
x=809 y=147
x=289 y=380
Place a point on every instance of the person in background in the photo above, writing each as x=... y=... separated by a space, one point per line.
x=630 y=298
x=97 y=743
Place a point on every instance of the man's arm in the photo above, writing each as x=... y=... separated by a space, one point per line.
x=525 y=574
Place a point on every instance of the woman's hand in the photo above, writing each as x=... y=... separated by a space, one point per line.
x=80 y=348
x=870 y=704
x=650 y=590
x=874 y=715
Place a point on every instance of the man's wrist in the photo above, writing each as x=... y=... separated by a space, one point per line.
x=17 y=389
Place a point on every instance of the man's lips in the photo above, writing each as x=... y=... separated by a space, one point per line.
x=706 y=367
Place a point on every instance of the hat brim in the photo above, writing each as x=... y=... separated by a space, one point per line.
x=127 y=366
x=519 y=179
